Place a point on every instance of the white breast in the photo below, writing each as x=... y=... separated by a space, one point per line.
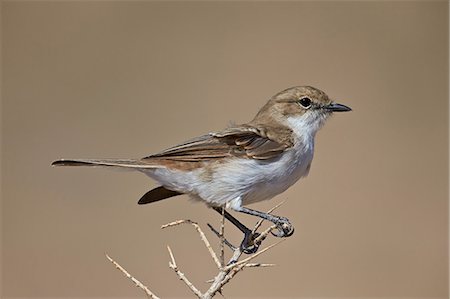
x=244 y=181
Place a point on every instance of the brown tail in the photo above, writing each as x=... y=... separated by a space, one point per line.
x=103 y=162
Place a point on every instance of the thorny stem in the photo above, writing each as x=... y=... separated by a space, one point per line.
x=226 y=271
x=173 y=265
x=139 y=284
x=202 y=236
x=222 y=238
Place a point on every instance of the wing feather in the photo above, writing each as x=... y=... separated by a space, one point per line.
x=242 y=141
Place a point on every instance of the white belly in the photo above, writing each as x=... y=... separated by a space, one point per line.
x=242 y=182
x=239 y=181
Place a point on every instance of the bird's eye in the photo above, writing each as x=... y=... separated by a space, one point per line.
x=305 y=102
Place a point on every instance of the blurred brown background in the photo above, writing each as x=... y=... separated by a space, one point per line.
x=126 y=79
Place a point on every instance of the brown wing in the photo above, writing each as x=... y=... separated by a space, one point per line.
x=243 y=141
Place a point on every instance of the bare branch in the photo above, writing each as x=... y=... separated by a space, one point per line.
x=222 y=239
x=226 y=242
x=202 y=236
x=260 y=221
x=173 y=265
x=139 y=284
x=226 y=270
x=259 y=265
x=244 y=261
x=264 y=234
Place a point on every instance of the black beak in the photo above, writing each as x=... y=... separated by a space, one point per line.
x=335 y=107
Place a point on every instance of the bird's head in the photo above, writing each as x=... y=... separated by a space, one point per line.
x=302 y=108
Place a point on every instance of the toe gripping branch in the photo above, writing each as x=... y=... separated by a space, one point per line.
x=251 y=242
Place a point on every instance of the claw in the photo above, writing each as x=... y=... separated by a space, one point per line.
x=248 y=246
x=250 y=250
x=284 y=228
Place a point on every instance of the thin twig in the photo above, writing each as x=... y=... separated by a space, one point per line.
x=139 y=284
x=202 y=236
x=260 y=221
x=251 y=265
x=259 y=265
x=221 y=278
x=230 y=274
x=264 y=234
x=222 y=239
x=226 y=271
x=231 y=246
x=252 y=256
x=173 y=265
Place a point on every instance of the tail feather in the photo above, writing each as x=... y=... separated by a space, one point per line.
x=103 y=162
x=157 y=194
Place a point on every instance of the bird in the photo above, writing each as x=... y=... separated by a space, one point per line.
x=241 y=164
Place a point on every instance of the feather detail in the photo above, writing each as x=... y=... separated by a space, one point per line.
x=129 y=163
x=242 y=141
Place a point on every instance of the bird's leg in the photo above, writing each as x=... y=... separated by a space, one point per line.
x=247 y=245
x=226 y=242
x=285 y=228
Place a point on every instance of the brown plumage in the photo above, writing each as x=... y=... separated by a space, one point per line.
x=238 y=159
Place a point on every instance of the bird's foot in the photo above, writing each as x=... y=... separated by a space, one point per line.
x=284 y=228
x=249 y=245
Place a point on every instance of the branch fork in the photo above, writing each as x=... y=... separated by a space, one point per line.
x=226 y=272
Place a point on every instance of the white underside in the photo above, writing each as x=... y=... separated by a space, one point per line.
x=241 y=181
